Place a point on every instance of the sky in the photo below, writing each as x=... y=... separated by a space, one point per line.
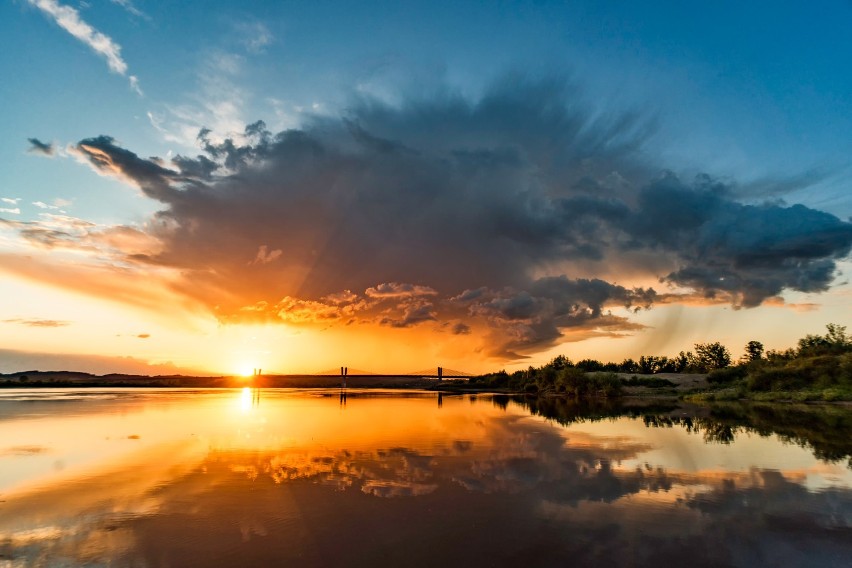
x=214 y=187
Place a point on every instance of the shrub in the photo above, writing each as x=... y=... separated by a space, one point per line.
x=727 y=375
x=606 y=383
x=573 y=381
x=650 y=382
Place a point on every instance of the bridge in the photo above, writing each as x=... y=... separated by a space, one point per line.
x=431 y=373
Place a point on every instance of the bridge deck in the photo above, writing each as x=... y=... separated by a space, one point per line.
x=393 y=376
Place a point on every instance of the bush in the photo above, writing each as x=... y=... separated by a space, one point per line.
x=573 y=381
x=727 y=375
x=607 y=384
x=775 y=379
x=590 y=365
x=650 y=382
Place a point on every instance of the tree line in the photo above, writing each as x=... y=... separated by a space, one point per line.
x=818 y=361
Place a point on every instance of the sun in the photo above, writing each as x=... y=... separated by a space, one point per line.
x=246 y=370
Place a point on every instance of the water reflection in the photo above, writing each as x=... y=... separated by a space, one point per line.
x=401 y=480
x=826 y=430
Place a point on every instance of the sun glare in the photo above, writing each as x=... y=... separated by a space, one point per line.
x=246 y=370
x=246 y=399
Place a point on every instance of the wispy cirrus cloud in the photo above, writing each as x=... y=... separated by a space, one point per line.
x=255 y=37
x=217 y=106
x=69 y=19
x=131 y=8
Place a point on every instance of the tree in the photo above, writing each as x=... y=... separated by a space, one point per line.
x=837 y=337
x=681 y=362
x=590 y=365
x=712 y=356
x=753 y=351
x=811 y=345
x=629 y=366
x=561 y=362
x=835 y=341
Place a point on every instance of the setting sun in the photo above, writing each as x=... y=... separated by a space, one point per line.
x=246 y=370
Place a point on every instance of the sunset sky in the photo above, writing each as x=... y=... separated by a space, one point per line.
x=218 y=186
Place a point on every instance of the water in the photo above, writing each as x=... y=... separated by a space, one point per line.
x=309 y=478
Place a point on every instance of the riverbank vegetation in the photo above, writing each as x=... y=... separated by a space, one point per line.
x=819 y=368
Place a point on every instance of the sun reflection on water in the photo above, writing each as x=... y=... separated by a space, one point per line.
x=249 y=399
x=246 y=399
x=436 y=464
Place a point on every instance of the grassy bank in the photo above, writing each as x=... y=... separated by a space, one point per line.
x=818 y=369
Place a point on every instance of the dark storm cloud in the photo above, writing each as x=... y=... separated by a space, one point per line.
x=748 y=252
x=464 y=202
x=460 y=328
x=534 y=317
x=412 y=314
x=39 y=147
x=109 y=158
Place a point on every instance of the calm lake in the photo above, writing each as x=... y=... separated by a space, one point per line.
x=127 y=477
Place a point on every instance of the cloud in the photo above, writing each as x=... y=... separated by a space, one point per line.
x=265 y=256
x=116 y=243
x=460 y=328
x=134 y=85
x=11 y=210
x=519 y=320
x=296 y=311
x=746 y=253
x=412 y=314
x=58 y=205
x=42 y=148
x=511 y=217
x=69 y=19
x=397 y=290
x=215 y=108
x=24 y=451
x=107 y=158
x=131 y=8
x=37 y=322
x=255 y=37
x=779 y=302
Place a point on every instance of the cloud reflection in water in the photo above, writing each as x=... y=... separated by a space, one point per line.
x=477 y=484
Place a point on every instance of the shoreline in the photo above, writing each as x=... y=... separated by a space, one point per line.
x=690 y=388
